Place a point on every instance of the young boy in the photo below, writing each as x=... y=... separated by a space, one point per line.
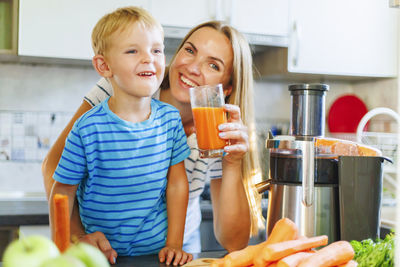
x=123 y=159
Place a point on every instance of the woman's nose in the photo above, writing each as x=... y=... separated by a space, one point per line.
x=194 y=67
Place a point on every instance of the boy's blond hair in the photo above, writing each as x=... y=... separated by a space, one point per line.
x=118 y=20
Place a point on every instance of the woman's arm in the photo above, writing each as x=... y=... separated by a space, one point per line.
x=232 y=221
x=52 y=158
x=230 y=209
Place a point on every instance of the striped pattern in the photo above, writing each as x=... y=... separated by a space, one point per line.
x=122 y=169
x=199 y=171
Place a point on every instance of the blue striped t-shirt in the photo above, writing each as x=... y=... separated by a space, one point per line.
x=122 y=169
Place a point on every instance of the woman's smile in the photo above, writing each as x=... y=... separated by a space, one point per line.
x=187 y=81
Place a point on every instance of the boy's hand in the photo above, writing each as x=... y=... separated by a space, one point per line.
x=167 y=254
x=99 y=240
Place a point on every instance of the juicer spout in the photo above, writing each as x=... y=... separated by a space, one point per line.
x=307 y=172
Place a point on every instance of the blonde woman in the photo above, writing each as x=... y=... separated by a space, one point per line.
x=210 y=53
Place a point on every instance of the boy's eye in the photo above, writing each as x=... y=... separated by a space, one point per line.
x=214 y=66
x=158 y=51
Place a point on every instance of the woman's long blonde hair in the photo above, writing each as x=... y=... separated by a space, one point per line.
x=242 y=96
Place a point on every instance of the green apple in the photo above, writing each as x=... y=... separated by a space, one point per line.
x=88 y=254
x=30 y=251
x=63 y=261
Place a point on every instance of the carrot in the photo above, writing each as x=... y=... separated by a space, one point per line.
x=61 y=222
x=283 y=230
x=351 y=263
x=244 y=257
x=294 y=259
x=337 y=253
x=218 y=263
x=301 y=237
x=273 y=252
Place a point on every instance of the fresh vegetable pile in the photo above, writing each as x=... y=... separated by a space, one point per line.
x=285 y=248
x=371 y=254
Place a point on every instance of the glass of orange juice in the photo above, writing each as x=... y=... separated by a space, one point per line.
x=207 y=107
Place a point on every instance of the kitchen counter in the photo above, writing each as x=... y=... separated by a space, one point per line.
x=24 y=212
x=152 y=260
x=36 y=212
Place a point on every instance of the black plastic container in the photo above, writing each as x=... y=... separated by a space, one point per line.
x=286 y=167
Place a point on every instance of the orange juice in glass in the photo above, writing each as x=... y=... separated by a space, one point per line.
x=207 y=106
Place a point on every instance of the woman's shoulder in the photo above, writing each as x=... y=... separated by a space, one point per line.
x=99 y=92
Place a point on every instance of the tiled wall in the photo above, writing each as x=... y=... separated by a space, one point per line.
x=26 y=136
x=36 y=101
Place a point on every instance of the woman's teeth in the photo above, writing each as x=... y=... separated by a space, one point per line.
x=188 y=82
x=145 y=73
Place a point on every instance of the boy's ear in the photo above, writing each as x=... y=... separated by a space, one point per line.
x=101 y=66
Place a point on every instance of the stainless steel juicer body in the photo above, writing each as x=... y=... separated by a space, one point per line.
x=323 y=194
x=296 y=197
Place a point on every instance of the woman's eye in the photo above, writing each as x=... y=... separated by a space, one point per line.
x=189 y=50
x=132 y=51
x=214 y=66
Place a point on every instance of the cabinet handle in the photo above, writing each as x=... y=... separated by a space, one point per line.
x=295 y=44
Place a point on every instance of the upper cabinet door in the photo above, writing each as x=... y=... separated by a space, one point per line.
x=342 y=37
x=183 y=13
x=268 y=17
x=62 y=28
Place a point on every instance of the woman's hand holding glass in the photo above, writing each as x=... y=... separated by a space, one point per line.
x=236 y=133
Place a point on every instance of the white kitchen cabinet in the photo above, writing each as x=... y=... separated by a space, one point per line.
x=342 y=37
x=269 y=17
x=187 y=13
x=178 y=16
x=264 y=22
x=62 y=28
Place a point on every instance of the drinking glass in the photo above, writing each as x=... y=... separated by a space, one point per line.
x=207 y=107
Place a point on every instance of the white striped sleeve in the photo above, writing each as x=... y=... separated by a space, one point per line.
x=214 y=170
x=99 y=92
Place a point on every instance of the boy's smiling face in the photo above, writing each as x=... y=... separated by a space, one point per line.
x=136 y=60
